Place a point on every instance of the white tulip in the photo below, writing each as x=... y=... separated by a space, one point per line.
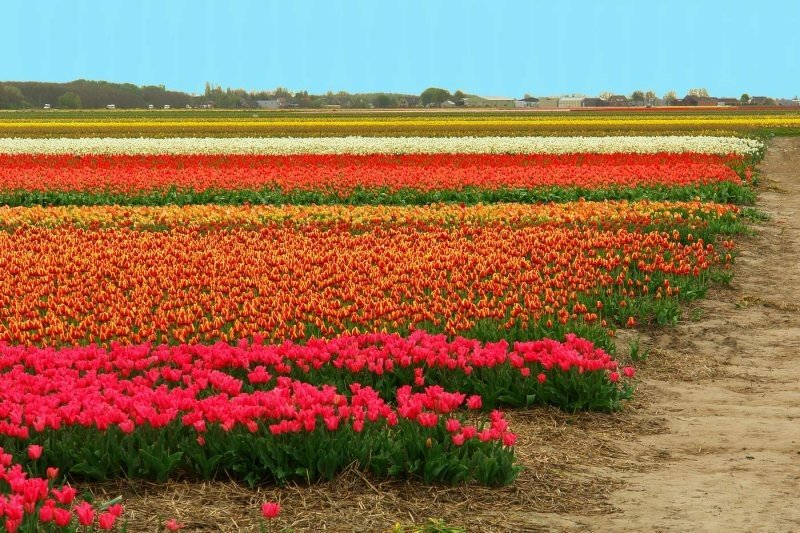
x=379 y=145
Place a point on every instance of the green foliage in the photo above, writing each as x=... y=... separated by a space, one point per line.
x=69 y=100
x=11 y=97
x=720 y=192
x=406 y=450
x=384 y=100
x=434 y=96
x=637 y=354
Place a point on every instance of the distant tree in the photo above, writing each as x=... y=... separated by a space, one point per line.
x=638 y=97
x=670 y=96
x=700 y=91
x=434 y=96
x=11 y=97
x=69 y=100
x=650 y=97
x=744 y=99
x=384 y=100
x=458 y=95
x=605 y=95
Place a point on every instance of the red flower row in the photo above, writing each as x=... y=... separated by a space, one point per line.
x=344 y=173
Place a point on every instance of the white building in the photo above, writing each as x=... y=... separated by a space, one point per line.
x=570 y=101
x=268 y=104
x=489 y=101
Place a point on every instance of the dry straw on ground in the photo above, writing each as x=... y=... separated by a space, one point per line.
x=568 y=460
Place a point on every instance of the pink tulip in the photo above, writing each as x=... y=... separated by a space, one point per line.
x=270 y=509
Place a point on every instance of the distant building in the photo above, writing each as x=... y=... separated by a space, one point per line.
x=727 y=102
x=268 y=104
x=548 y=103
x=47 y=106
x=167 y=106
x=698 y=101
x=528 y=101
x=594 y=102
x=618 y=100
x=488 y=101
x=150 y=106
x=448 y=103
x=111 y=106
x=761 y=100
x=795 y=101
x=571 y=101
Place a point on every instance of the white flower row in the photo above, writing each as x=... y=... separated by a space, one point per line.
x=379 y=145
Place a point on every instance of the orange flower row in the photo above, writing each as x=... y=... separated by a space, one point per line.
x=69 y=285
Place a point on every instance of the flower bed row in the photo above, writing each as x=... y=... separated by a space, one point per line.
x=573 y=375
x=194 y=124
x=380 y=145
x=98 y=425
x=69 y=285
x=341 y=174
x=695 y=216
x=30 y=179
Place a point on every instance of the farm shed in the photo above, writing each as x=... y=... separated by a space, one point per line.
x=548 y=103
x=268 y=104
x=571 y=101
x=489 y=101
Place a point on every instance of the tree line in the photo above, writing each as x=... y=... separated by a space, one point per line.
x=89 y=94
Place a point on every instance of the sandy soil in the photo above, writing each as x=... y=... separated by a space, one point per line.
x=729 y=459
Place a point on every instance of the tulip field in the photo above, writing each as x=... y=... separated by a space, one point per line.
x=278 y=300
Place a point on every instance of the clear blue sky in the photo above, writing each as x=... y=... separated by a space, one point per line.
x=497 y=47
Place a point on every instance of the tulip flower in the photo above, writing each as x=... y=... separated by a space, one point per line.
x=173 y=525
x=85 y=513
x=270 y=509
x=35 y=451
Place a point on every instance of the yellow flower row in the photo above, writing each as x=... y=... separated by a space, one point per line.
x=124 y=124
x=788 y=120
x=219 y=216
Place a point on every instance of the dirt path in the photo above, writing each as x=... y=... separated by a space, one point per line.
x=730 y=458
